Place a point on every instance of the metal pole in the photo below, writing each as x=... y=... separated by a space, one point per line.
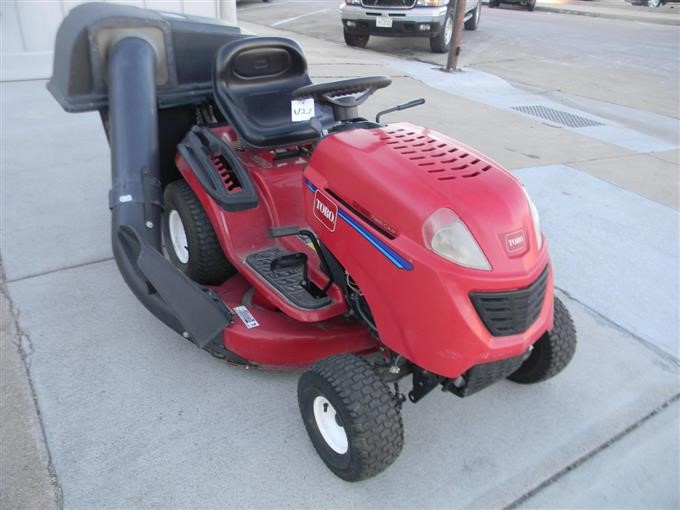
x=454 y=50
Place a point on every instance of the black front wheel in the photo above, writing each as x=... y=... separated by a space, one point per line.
x=355 y=40
x=351 y=417
x=473 y=22
x=552 y=352
x=442 y=41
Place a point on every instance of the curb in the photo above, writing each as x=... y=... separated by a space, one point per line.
x=670 y=20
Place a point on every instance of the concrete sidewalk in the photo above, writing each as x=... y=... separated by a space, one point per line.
x=668 y=14
x=136 y=417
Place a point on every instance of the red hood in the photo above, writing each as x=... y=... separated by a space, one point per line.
x=400 y=174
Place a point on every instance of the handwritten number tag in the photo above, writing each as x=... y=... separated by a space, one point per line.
x=302 y=109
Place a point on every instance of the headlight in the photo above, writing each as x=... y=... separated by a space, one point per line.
x=432 y=3
x=446 y=235
x=535 y=219
x=353 y=2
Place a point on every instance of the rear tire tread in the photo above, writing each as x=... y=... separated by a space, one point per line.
x=207 y=263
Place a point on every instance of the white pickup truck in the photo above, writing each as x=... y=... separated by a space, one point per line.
x=405 y=18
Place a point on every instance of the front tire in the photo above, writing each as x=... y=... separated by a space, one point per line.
x=442 y=41
x=355 y=40
x=190 y=239
x=473 y=22
x=351 y=417
x=531 y=5
x=552 y=352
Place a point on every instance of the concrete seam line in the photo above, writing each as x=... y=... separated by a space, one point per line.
x=586 y=457
x=50 y=271
x=666 y=356
x=25 y=358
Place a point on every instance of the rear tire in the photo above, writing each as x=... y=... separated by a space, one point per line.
x=473 y=22
x=355 y=40
x=351 y=417
x=552 y=352
x=442 y=41
x=190 y=239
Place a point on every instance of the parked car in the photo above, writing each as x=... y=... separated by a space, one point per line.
x=405 y=18
x=659 y=3
x=529 y=4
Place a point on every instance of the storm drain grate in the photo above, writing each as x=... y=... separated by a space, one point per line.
x=557 y=116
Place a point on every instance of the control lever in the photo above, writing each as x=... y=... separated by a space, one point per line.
x=410 y=104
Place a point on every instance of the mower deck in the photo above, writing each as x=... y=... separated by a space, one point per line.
x=277 y=341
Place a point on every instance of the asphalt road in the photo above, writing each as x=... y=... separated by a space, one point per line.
x=622 y=62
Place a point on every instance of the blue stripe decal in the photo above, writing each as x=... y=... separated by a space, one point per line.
x=393 y=256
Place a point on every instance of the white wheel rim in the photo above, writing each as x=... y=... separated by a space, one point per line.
x=178 y=237
x=325 y=417
x=448 y=29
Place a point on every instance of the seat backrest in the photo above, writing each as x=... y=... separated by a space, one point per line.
x=253 y=80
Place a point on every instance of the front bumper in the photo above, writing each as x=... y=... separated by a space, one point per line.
x=418 y=21
x=443 y=332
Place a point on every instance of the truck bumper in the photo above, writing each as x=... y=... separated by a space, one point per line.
x=419 y=21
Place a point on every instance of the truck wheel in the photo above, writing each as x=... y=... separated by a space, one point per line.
x=442 y=41
x=473 y=22
x=189 y=237
x=355 y=40
x=552 y=352
x=350 y=416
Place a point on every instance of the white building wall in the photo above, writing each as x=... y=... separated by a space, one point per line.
x=28 y=29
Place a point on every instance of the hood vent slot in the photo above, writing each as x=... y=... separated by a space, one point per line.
x=436 y=157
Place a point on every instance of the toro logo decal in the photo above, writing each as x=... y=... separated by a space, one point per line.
x=516 y=242
x=325 y=210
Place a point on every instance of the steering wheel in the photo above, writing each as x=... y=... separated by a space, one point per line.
x=344 y=95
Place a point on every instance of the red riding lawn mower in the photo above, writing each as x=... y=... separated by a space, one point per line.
x=299 y=234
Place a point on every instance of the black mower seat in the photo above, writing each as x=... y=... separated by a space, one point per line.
x=253 y=80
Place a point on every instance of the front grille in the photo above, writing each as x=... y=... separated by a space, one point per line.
x=397 y=4
x=511 y=313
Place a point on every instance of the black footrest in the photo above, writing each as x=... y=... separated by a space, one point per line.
x=286 y=281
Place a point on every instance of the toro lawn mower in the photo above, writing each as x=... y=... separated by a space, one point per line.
x=299 y=234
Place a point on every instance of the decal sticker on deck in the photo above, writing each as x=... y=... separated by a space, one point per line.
x=302 y=109
x=247 y=317
x=325 y=210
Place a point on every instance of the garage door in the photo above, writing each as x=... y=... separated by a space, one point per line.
x=28 y=29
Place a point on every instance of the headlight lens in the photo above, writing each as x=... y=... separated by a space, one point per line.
x=353 y=2
x=432 y=3
x=535 y=219
x=446 y=235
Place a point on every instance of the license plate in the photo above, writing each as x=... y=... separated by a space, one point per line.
x=383 y=22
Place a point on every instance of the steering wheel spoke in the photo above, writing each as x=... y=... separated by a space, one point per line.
x=344 y=95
